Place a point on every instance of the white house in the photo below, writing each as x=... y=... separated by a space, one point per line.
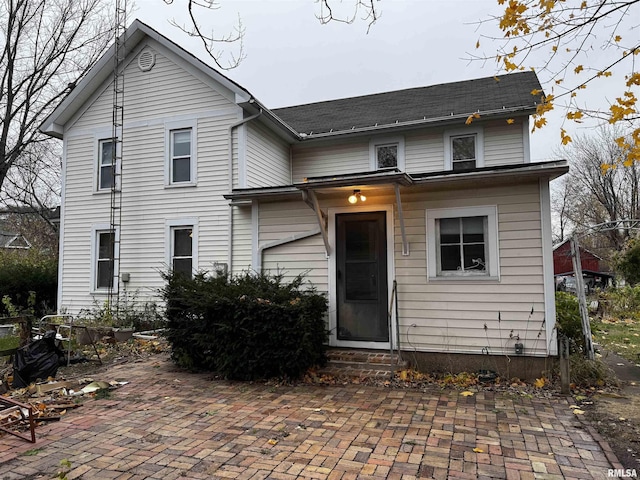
x=360 y=193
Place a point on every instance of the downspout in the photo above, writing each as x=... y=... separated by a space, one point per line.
x=230 y=175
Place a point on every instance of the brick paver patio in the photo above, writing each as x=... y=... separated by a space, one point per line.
x=168 y=424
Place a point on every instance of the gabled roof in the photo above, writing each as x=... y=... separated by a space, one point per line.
x=502 y=95
x=450 y=102
x=103 y=69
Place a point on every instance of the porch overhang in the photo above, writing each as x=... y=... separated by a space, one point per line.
x=310 y=187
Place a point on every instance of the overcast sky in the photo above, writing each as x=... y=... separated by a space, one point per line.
x=292 y=59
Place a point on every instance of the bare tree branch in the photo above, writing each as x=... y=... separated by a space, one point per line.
x=212 y=41
x=47 y=45
x=365 y=7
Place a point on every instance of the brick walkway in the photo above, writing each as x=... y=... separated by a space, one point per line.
x=168 y=424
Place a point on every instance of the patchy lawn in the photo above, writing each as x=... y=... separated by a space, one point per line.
x=620 y=336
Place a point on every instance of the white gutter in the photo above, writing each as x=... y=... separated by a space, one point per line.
x=230 y=175
x=409 y=123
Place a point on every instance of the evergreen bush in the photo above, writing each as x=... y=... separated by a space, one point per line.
x=569 y=321
x=245 y=327
x=28 y=282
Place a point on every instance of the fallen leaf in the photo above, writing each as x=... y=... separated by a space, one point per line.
x=467 y=394
x=539 y=383
x=272 y=442
x=478 y=450
x=577 y=411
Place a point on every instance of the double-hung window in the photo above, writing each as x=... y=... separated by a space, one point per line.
x=386 y=153
x=180 y=165
x=462 y=243
x=106 y=164
x=180 y=153
x=104 y=259
x=464 y=149
x=463 y=152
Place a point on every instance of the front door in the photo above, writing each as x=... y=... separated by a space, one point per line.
x=361 y=277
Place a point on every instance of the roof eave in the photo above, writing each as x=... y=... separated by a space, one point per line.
x=552 y=169
x=502 y=112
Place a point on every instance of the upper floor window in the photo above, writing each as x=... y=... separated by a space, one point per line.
x=180 y=156
x=464 y=149
x=463 y=152
x=180 y=145
x=386 y=153
x=106 y=159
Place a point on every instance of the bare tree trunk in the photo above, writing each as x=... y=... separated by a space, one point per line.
x=47 y=47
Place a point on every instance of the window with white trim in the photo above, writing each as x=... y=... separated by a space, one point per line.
x=180 y=166
x=463 y=152
x=180 y=153
x=462 y=243
x=386 y=153
x=106 y=159
x=464 y=149
x=182 y=250
x=104 y=259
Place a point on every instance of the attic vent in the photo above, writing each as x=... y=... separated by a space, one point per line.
x=146 y=60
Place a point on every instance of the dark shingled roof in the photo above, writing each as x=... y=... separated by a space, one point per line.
x=511 y=92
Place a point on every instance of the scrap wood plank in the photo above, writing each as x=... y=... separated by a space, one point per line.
x=25 y=417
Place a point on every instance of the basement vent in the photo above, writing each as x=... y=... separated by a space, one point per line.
x=146 y=60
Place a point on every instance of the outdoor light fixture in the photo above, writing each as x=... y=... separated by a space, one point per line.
x=357 y=196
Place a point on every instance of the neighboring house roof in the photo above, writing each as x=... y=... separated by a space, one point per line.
x=13 y=240
x=487 y=96
x=492 y=96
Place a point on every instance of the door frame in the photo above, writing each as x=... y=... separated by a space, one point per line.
x=333 y=293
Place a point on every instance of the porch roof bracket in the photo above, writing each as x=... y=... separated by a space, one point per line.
x=310 y=199
x=405 y=242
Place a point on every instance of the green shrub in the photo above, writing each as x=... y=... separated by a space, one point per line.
x=569 y=322
x=245 y=327
x=621 y=302
x=29 y=282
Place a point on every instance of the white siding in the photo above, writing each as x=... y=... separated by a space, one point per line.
x=147 y=204
x=334 y=159
x=241 y=239
x=424 y=152
x=306 y=256
x=164 y=91
x=451 y=315
x=503 y=144
x=267 y=158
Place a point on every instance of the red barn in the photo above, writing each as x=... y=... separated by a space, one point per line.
x=594 y=268
x=562 y=264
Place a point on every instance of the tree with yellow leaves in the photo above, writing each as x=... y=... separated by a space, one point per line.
x=561 y=41
x=566 y=34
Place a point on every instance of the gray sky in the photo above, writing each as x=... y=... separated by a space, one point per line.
x=292 y=59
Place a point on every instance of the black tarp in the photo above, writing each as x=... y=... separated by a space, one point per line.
x=37 y=360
